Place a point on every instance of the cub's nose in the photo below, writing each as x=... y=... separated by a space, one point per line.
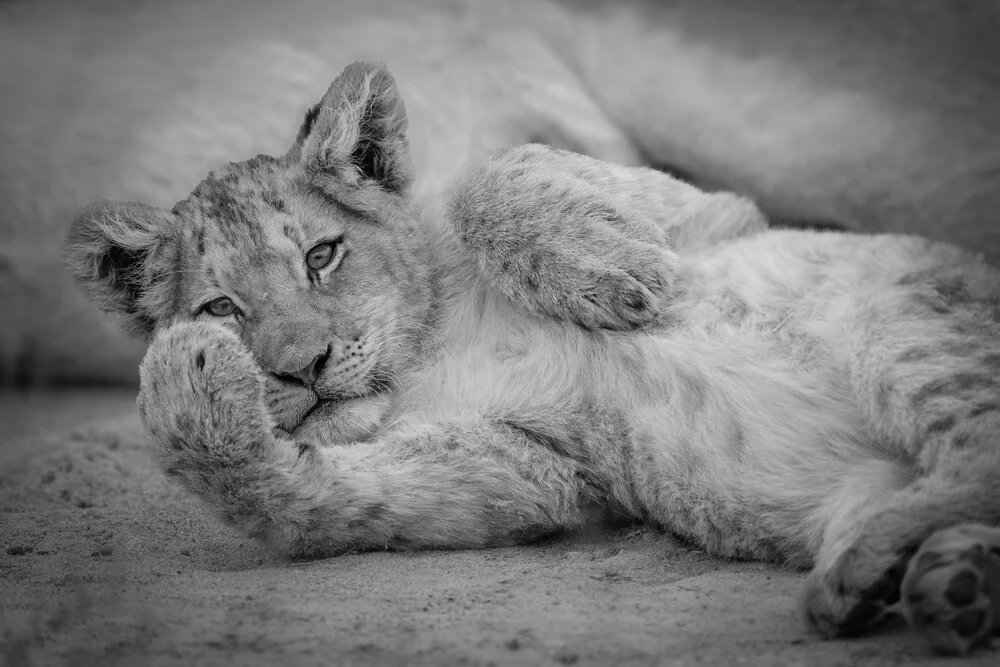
x=308 y=374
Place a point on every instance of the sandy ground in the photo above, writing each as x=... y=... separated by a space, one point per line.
x=103 y=562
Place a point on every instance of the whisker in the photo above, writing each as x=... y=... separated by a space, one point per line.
x=386 y=377
x=398 y=353
x=415 y=327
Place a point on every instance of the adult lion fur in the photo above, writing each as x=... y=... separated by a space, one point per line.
x=873 y=115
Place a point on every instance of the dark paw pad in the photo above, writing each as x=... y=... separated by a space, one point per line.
x=963 y=589
x=970 y=622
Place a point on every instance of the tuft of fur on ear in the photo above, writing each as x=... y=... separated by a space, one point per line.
x=116 y=253
x=355 y=138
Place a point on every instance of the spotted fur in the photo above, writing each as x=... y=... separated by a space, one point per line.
x=560 y=331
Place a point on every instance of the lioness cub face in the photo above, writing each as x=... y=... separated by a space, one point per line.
x=312 y=258
x=321 y=293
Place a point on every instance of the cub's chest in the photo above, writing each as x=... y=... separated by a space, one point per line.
x=493 y=357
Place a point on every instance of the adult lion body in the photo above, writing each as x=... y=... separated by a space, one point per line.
x=336 y=367
x=874 y=115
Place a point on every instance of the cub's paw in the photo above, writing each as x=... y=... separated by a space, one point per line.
x=853 y=595
x=607 y=281
x=201 y=399
x=951 y=591
x=626 y=288
x=554 y=234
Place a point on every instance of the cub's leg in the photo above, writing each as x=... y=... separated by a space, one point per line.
x=449 y=485
x=852 y=587
x=951 y=590
x=571 y=237
x=927 y=371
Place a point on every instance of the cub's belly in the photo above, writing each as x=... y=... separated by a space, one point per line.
x=812 y=282
x=711 y=382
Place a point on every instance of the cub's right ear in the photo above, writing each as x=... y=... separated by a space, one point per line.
x=115 y=251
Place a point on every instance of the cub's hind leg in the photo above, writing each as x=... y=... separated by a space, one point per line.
x=469 y=484
x=926 y=355
x=853 y=586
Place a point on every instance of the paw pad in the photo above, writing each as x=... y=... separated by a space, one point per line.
x=963 y=589
x=970 y=622
x=952 y=588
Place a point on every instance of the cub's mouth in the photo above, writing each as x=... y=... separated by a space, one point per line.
x=292 y=402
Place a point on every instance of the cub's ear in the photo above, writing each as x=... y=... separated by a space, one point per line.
x=115 y=251
x=356 y=136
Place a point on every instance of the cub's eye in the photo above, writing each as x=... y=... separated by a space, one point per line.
x=221 y=307
x=321 y=255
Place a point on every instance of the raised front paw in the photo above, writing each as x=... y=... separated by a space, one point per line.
x=951 y=591
x=557 y=243
x=201 y=400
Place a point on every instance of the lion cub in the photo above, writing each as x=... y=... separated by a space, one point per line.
x=562 y=331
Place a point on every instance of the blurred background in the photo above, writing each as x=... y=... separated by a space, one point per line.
x=867 y=115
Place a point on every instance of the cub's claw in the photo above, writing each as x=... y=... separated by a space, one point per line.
x=951 y=591
x=625 y=295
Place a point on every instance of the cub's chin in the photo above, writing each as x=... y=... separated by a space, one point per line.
x=344 y=422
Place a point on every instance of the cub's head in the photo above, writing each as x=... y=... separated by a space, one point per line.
x=313 y=258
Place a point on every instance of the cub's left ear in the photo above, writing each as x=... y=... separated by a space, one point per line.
x=356 y=136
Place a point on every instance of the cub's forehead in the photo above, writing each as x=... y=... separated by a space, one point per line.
x=253 y=204
x=248 y=220
x=236 y=199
